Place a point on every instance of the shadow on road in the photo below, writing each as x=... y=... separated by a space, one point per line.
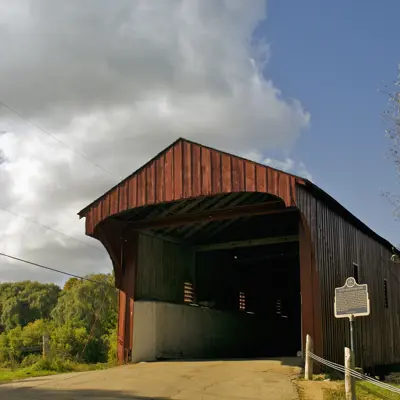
x=75 y=394
x=287 y=361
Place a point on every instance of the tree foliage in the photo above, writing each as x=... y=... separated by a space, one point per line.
x=80 y=320
x=86 y=302
x=391 y=118
x=25 y=302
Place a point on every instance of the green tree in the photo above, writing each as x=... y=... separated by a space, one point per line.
x=71 y=282
x=90 y=305
x=87 y=302
x=26 y=301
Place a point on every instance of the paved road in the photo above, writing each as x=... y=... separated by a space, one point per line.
x=198 y=380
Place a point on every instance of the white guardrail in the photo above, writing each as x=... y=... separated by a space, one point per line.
x=353 y=373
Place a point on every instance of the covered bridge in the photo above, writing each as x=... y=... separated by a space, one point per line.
x=218 y=256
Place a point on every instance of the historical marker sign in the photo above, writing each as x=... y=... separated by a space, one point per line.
x=351 y=300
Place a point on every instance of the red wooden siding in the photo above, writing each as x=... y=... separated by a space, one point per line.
x=189 y=170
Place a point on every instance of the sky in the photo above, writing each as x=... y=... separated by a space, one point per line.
x=287 y=83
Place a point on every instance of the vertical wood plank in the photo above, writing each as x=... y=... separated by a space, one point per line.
x=89 y=222
x=261 y=178
x=250 y=170
x=160 y=177
x=226 y=173
x=141 y=188
x=187 y=170
x=273 y=182
x=114 y=206
x=216 y=172
x=133 y=192
x=151 y=183
x=284 y=188
x=169 y=178
x=121 y=326
x=237 y=174
x=178 y=171
x=97 y=217
x=123 y=196
x=196 y=170
x=205 y=171
x=105 y=207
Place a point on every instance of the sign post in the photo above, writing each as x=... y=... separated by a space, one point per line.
x=352 y=300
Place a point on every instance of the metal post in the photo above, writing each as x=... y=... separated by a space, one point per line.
x=352 y=364
x=351 y=319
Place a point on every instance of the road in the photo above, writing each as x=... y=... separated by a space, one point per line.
x=197 y=380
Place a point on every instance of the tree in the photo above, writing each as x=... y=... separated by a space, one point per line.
x=26 y=301
x=71 y=282
x=81 y=319
x=391 y=118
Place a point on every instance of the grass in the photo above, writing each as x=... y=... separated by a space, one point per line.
x=365 y=391
x=44 y=368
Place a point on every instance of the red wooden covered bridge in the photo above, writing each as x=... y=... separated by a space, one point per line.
x=218 y=256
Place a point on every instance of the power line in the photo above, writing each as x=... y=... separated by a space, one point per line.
x=54 y=270
x=49 y=228
x=14 y=111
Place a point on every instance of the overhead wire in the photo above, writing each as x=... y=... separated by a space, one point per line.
x=49 y=228
x=53 y=269
x=20 y=115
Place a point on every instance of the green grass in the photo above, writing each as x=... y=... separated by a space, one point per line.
x=365 y=391
x=7 y=375
x=43 y=368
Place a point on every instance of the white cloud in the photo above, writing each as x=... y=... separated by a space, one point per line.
x=118 y=81
x=290 y=166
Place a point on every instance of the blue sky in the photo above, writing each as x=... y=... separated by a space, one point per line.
x=100 y=96
x=332 y=56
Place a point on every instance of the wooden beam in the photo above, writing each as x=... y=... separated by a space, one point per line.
x=232 y=203
x=247 y=243
x=212 y=215
x=161 y=237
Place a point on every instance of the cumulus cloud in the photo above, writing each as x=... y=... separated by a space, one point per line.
x=290 y=166
x=117 y=81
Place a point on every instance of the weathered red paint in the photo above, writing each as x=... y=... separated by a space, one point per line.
x=310 y=293
x=188 y=170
